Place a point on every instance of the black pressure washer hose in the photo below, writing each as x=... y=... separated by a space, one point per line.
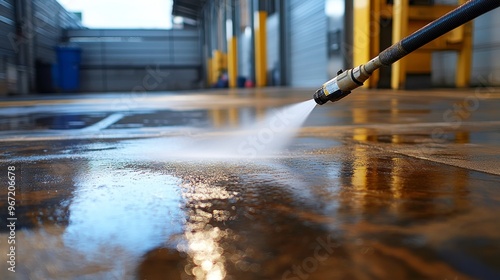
x=348 y=80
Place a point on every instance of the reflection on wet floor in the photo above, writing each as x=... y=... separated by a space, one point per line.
x=219 y=118
x=355 y=197
x=374 y=136
x=196 y=118
x=44 y=121
x=317 y=215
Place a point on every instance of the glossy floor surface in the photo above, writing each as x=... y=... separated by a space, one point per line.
x=380 y=185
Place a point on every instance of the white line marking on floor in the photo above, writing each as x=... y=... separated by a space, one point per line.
x=111 y=119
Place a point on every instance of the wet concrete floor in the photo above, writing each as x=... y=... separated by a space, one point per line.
x=381 y=185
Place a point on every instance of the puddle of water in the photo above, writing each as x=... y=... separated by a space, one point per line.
x=56 y=122
x=375 y=136
x=164 y=118
x=126 y=213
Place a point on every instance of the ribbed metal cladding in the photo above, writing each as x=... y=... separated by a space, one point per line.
x=7 y=28
x=50 y=19
x=485 y=56
x=273 y=43
x=308 y=43
x=7 y=43
x=134 y=60
x=486 y=50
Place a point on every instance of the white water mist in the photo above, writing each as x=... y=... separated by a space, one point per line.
x=265 y=138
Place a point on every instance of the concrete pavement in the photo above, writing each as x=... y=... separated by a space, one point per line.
x=382 y=184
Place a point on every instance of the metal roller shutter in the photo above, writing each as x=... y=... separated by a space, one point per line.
x=308 y=43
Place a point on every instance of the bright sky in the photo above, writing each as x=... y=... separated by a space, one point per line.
x=122 y=14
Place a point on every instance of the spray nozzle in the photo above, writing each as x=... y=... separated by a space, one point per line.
x=325 y=93
x=340 y=86
x=330 y=91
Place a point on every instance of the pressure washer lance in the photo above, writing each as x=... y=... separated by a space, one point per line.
x=340 y=86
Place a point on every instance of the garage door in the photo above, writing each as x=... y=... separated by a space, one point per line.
x=308 y=43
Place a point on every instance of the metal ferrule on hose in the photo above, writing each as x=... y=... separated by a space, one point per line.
x=340 y=86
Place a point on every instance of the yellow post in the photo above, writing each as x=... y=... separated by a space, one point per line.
x=374 y=40
x=219 y=64
x=209 y=71
x=232 y=61
x=261 y=49
x=216 y=65
x=223 y=63
x=366 y=34
x=464 y=62
x=399 y=31
x=361 y=39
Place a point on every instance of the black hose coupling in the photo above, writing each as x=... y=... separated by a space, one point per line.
x=321 y=97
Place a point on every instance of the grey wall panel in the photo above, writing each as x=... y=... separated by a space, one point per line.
x=8 y=34
x=7 y=27
x=132 y=80
x=50 y=20
x=273 y=41
x=486 y=55
x=308 y=43
x=154 y=34
x=7 y=43
x=446 y=2
x=93 y=80
x=41 y=24
x=120 y=60
x=486 y=67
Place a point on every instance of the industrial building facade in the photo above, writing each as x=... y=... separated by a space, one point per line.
x=249 y=42
x=303 y=43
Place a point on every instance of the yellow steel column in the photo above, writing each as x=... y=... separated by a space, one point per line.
x=361 y=40
x=366 y=34
x=232 y=61
x=217 y=65
x=260 y=48
x=464 y=62
x=399 y=31
x=223 y=65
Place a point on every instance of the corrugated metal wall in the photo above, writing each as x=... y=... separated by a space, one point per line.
x=138 y=60
x=7 y=30
x=486 y=55
x=50 y=20
x=7 y=27
x=273 y=48
x=42 y=23
x=308 y=43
